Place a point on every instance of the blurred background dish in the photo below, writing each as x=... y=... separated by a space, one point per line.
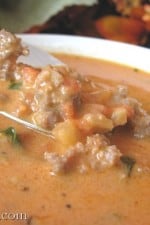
x=121 y=20
x=21 y=15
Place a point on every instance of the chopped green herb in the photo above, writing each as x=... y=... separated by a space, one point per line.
x=77 y=101
x=129 y=163
x=117 y=216
x=136 y=70
x=10 y=132
x=64 y=194
x=68 y=206
x=25 y=188
x=15 y=85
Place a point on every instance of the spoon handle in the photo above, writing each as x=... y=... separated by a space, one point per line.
x=27 y=124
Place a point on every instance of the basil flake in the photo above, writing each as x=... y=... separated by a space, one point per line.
x=129 y=163
x=11 y=133
x=15 y=85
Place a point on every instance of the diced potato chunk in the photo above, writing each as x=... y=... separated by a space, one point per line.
x=67 y=133
x=96 y=122
x=119 y=116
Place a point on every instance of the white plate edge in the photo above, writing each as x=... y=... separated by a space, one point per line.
x=126 y=54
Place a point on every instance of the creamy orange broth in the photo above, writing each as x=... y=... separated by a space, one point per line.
x=94 y=198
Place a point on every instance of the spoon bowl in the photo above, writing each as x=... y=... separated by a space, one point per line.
x=37 y=58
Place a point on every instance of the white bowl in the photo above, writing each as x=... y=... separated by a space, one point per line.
x=127 y=54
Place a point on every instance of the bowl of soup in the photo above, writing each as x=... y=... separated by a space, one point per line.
x=96 y=168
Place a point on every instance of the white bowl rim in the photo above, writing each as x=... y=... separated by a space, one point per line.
x=118 y=52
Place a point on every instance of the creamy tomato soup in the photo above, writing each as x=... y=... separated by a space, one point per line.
x=96 y=169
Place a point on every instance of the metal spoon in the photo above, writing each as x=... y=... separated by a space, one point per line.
x=36 y=58
x=39 y=58
x=27 y=124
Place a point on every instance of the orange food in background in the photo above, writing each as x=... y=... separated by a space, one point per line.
x=112 y=20
x=124 y=29
x=142 y=13
x=137 y=12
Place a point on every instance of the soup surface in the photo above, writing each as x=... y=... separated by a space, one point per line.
x=117 y=195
